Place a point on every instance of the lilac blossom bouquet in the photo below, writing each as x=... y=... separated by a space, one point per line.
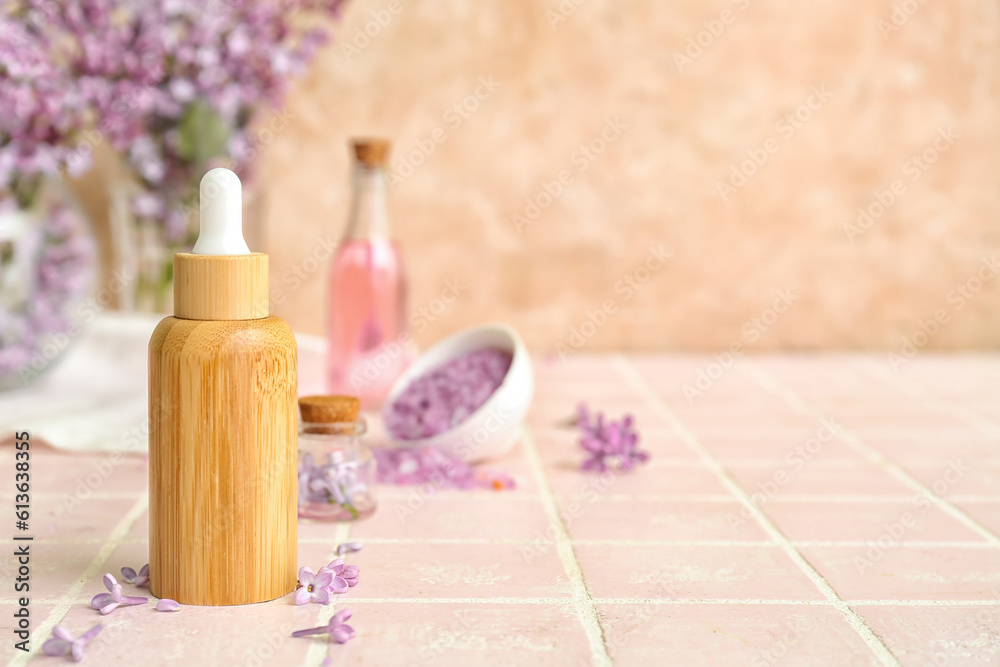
x=178 y=84
x=175 y=87
x=46 y=253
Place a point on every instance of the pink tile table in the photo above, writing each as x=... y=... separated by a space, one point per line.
x=757 y=535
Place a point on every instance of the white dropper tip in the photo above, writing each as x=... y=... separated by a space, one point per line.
x=221 y=215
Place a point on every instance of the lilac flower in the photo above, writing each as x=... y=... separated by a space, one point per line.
x=428 y=465
x=108 y=602
x=167 y=604
x=338 y=482
x=314 y=587
x=337 y=628
x=606 y=441
x=177 y=84
x=140 y=579
x=344 y=576
x=446 y=396
x=348 y=547
x=63 y=643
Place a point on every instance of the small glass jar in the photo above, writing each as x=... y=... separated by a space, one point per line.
x=336 y=472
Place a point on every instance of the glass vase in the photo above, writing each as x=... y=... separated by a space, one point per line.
x=48 y=260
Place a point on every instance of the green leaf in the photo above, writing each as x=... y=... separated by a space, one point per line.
x=202 y=134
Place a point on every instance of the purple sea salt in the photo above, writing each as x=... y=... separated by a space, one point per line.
x=445 y=397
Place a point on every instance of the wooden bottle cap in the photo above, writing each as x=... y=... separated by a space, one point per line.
x=371 y=152
x=220 y=287
x=329 y=409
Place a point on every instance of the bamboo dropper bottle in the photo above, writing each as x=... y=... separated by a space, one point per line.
x=222 y=422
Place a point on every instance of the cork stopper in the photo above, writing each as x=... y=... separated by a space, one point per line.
x=371 y=152
x=329 y=410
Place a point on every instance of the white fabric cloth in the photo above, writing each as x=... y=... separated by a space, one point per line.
x=94 y=399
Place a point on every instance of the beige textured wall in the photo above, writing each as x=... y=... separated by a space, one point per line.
x=881 y=93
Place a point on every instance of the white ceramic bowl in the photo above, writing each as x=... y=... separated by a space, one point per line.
x=493 y=429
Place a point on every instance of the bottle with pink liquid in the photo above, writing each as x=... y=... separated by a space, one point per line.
x=368 y=344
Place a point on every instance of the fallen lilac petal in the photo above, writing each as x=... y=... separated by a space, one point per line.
x=351 y=574
x=339 y=585
x=167 y=605
x=108 y=608
x=131 y=600
x=129 y=575
x=428 y=466
x=302 y=596
x=336 y=629
x=335 y=566
x=110 y=582
x=143 y=578
x=323 y=579
x=60 y=632
x=100 y=600
x=311 y=631
x=82 y=642
x=348 y=547
x=63 y=643
x=57 y=647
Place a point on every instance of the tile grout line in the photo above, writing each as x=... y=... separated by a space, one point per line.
x=584 y=603
x=854 y=619
x=770 y=383
x=318 y=650
x=920 y=391
x=70 y=598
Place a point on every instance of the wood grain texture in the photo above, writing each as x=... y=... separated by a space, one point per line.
x=239 y=286
x=222 y=461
